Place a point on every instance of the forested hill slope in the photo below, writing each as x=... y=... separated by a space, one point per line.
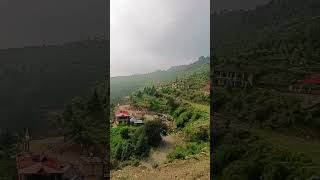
x=38 y=80
x=234 y=29
x=123 y=86
x=281 y=38
x=258 y=129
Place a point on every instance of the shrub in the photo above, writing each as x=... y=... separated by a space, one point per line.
x=178 y=111
x=123 y=151
x=124 y=132
x=141 y=146
x=195 y=115
x=246 y=170
x=181 y=152
x=198 y=131
x=183 y=119
x=153 y=131
x=178 y=153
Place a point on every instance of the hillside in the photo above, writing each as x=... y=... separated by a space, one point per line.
x=123 y=86
x=259 y=128
x=37 y=81
x=241 y=28
x=175 y=131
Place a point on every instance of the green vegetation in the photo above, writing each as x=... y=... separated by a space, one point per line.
x=8 y=149
x=181 y=94
x=84 y=118
x=181 y=152
x=125 y=85
x=130 y=144
x=37 y=81
x=240 y=154
x=267 y=108
x=180 y=98
x=258 y=131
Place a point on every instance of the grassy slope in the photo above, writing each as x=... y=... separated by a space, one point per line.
x=292 y=143
x=280 y=43
x=187 y=168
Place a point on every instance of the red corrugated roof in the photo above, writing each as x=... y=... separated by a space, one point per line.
x=315 y=79
x=34 y=164
x=122 y=113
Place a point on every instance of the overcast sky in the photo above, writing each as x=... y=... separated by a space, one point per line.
x=148 y=35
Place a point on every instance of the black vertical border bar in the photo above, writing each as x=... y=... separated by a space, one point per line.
x=106 y=174
x=212 y=121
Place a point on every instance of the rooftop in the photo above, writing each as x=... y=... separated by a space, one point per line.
x=122 y=113
x=314 y=79
x=34 y=164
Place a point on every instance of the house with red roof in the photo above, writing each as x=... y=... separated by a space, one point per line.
x=122 y=116
x=38 y=167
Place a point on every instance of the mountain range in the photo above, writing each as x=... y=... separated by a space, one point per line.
x=124 y=85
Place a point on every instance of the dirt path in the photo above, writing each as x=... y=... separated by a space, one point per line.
x=158 y=155
x=167 y=145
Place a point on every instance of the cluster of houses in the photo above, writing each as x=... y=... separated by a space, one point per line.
x=45 y=166
x=124 y=117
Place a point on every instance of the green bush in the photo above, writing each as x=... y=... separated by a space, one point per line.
x=123 y=150
x=178 y=153
x=198 y=131
x=181 y=152
x=178 y=111
x=140 y=143
x=196 y=114
x=183 y=119
x=242 y=170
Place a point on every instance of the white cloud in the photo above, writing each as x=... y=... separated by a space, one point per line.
x=147 y=35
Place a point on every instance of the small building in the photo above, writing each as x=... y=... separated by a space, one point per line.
x=122 y=116
x=135 y=121
x=38 y=167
